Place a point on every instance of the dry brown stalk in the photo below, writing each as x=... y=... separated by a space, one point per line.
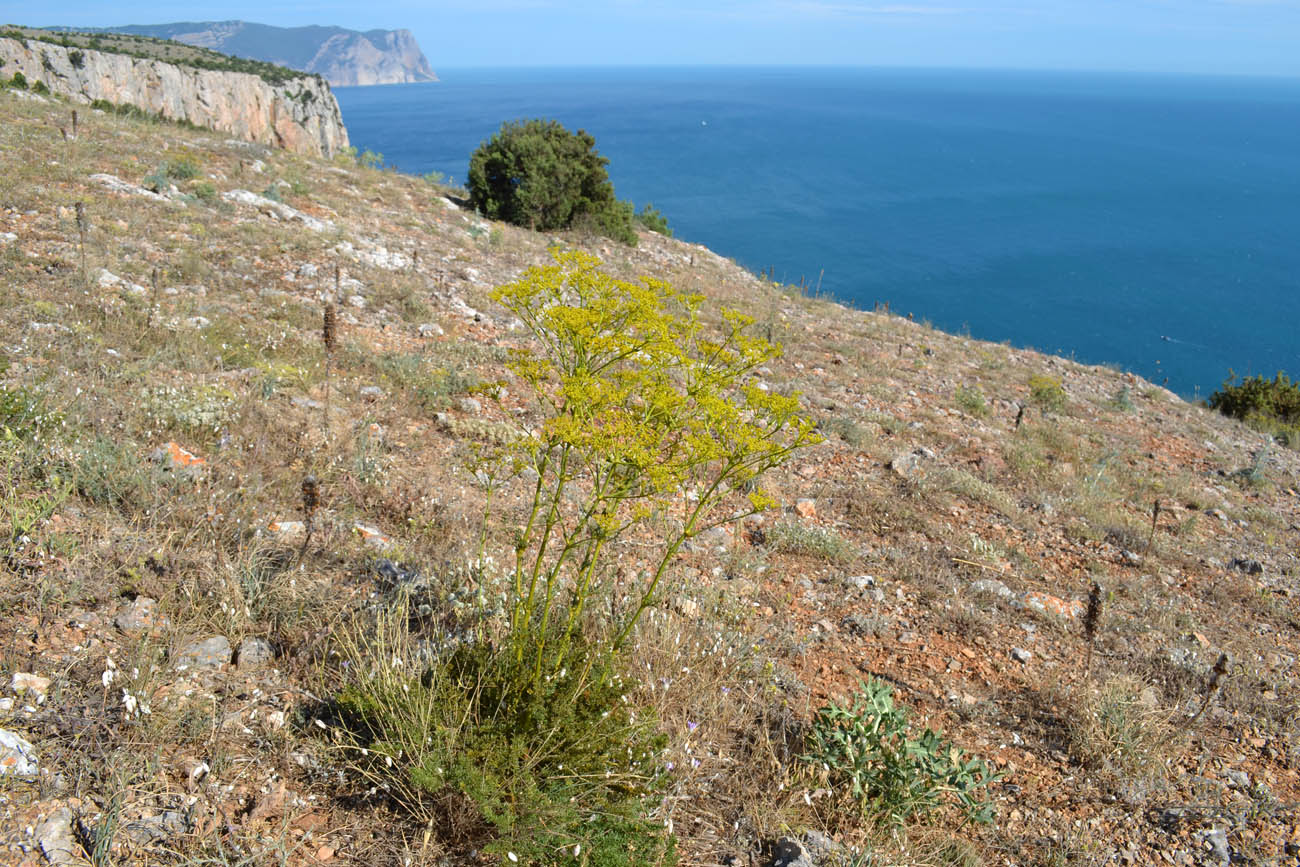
x=1211 y=688
x=81 y=231
x=329 y=336
x=310 y=503
x=1090 y=621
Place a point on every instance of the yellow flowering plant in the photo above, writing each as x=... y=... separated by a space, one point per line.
x=646 y=414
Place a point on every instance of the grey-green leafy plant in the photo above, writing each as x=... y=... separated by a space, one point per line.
x=866 y=751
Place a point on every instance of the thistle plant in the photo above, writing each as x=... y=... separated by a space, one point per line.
x=645 y=415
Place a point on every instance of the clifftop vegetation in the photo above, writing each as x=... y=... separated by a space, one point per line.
x=150 y=48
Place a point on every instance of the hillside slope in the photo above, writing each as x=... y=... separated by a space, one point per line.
x=344 y=57
x=172 y=632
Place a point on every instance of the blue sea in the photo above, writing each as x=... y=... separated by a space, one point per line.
x=1147 y=222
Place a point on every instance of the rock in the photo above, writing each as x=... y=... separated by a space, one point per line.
x=211 y=652
x=861 y=624
x=157 y=829
x=860 y=582
x=813 y=849
x=275 y=210
x=32 y=684
x=306 y=269
x=198 y=322
x=176 y=456
x=371 y=536
x=470 y=405
x=139 y=615
x=254 y=653
x=115 y=184
x=1240 y=779
x=806 y=508
x=1250 y=567
x=1217 y=513
x=1216 y=840
x=7 y=237
x=357 y=301
x=17 y=756
x=1053 y=606
x=912 y=465
x=1130 y=558
x=1019 y=654
x=429 y=329
x=991 y=586
x=789 y=852
x=371 y=393
x=288 y=531
x=374 y=255
x=306 y=403
x=54 y=836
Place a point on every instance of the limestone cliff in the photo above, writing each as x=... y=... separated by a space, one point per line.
x=299 y=114
x=344 y=57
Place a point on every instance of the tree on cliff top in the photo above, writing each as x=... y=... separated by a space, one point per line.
x=537 y=174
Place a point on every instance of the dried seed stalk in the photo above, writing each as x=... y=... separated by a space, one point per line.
x=1155 y=519
x=1090 y=621
x=81 y=232
x=1212 y=688
x=310 y=503
x=329 y=336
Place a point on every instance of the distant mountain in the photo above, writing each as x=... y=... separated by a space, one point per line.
x=343 y=57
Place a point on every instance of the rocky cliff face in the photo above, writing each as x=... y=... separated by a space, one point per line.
x=299 y=115
x=344 y=57
x=389 y=57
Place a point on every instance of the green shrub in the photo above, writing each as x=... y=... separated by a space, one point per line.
x=41 y=88
x=971 y=401
x=108 y=472
x=653 y=220
x=23 y=415
x=193 y=409
x=18 y=82
x=792 y=538
x=1268 y=405
x=549 y=772
x=866 y=753
x=77 y=58
x=204 y=191
x=1046 y=392
x=538 y=175
x=370 y=159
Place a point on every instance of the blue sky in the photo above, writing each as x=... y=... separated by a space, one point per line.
x=1203 y=36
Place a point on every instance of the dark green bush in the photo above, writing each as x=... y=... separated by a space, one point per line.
x=18 y=82
x=537 y=174
x=41 y=88
x=1271 y=405
x=77 y=58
